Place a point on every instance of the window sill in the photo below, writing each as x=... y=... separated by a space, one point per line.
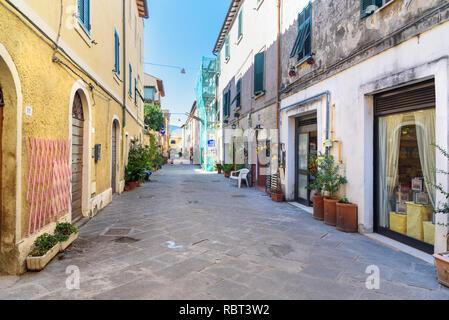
x=117 y=78
x=379 y=9
x=302 y=61
x=239 y=40
x=257 y=96
x=84 y=34
x=260 y=3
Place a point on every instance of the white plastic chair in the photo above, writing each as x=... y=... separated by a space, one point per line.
x=239 y=176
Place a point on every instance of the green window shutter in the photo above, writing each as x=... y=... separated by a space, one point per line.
x=240 y=24
x=116 y=53
x=259 y=66
x=302 y=45
x=87 y=15
x=227 y=53
x=366 y=3
x=81 y=11
x=130 y=79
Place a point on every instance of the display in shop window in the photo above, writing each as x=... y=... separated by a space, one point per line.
x=417 y=184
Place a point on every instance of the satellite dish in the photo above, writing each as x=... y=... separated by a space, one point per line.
x=371 y=9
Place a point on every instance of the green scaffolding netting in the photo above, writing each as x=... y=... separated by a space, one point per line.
x=206 y=106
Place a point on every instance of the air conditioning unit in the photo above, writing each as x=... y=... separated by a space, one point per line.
x=371 y=9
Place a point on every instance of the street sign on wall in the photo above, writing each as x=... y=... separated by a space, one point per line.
x=162 y=131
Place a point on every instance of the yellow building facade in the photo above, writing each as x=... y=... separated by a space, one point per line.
x=71 y=76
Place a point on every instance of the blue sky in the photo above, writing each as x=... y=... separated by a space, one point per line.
x=180 y=32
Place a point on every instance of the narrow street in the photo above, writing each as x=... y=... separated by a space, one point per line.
x=191 y=235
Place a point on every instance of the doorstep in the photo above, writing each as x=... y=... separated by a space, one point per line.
x=401 y=247
x=302 y=207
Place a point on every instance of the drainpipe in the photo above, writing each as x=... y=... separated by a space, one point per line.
x=124 y=64
x=278 y=104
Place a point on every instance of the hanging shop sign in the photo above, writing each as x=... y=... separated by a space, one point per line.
x=162 y=131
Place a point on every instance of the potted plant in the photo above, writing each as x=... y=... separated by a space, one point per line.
x=276 y=193
x=332 y=180
x=316 y=185
x=66 y=233
x=227 y=168
x=218 y=167
x=441 y=259
x=46 y=247
x=347 y=216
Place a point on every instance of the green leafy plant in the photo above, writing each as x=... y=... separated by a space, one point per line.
x=330 y=175
x=65 y=229
x=227 y=168
x=316 y=182
x=218 y=166
x=154 y=118
x=443 y=208
x=344 y=200
x=43 y=244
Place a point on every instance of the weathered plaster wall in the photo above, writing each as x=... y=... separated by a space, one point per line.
x=338 y=32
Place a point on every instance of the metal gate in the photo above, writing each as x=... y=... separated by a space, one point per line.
x=77 y=157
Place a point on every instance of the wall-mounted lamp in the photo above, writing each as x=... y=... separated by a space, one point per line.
x=258 y=127
x=234 y=126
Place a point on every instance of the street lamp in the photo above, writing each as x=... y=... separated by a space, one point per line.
x=183 y=71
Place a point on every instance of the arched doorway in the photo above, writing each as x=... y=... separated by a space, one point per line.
x=114 y=155
x=77 y=157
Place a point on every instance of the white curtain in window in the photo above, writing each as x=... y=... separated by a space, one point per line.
x=425 y=132
x=389 y=144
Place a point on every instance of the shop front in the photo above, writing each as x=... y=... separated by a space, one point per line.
x=405 y=161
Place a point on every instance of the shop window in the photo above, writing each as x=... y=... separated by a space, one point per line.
x=405 y=162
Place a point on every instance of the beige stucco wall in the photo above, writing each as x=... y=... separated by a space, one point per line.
x=48 y=88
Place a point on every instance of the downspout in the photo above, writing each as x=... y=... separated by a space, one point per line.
x=278 y=103
x=124 y=65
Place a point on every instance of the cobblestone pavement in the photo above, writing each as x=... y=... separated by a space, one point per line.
x=236 y=244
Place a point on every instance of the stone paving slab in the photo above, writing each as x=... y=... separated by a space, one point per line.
x=233 y=244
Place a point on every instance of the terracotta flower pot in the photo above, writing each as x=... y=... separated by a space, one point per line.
x=132 y=185
x=138 y=184
x=277 y=197
x=318 y=207
x=227 y=174
x=219 y=171
x=330 y=212
x=442 y=264
x=347 y=217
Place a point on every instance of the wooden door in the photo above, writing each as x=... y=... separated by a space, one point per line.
x=114 y=157
x=77 y=157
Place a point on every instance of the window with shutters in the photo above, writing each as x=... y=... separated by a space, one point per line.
x=302 y=47
x=116 y=53
x=368 y=7
x=259 y=71
x=84 y=14
x=226 y=103
x=237 y=98
x=240 y=26
x=130 y=80
x=135 y=91
x=227 y=49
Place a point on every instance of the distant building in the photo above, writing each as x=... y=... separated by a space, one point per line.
x=153 y=89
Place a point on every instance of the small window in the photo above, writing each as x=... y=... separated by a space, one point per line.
x=259 y=70
x=84 y=14
x=303 y=43
x=135 y=91
x=130 y=80
x=237 y=97
x=226 y=103
x=240 y=30
x=227 y=49
x=116 y=53
x=368 y=7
